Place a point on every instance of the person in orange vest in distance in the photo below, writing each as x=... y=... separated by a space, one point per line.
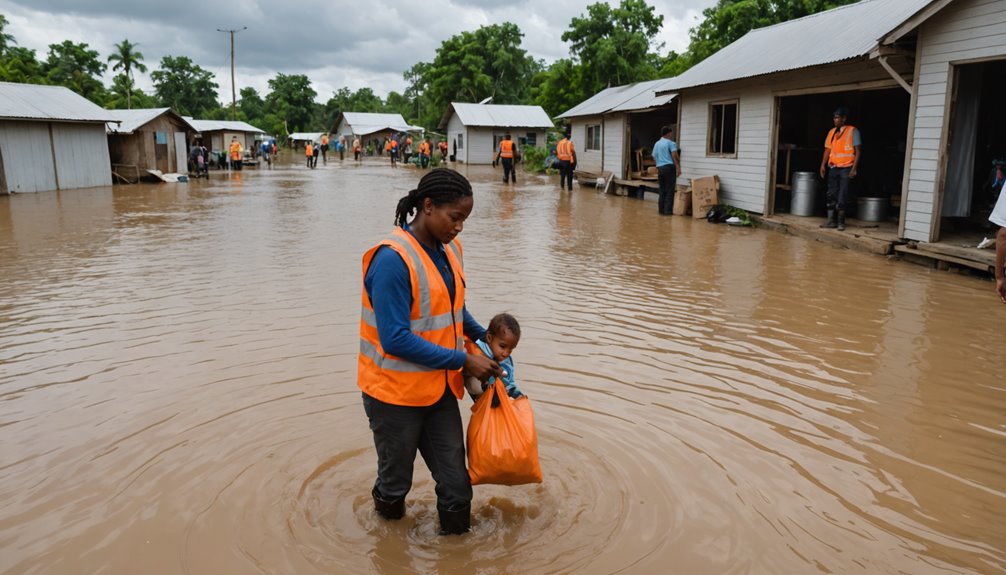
x=235 y=151
x=566 y=153
x=841 y=158
x=424 y=153
x=324 y=148
x=443 y=150
x=392 y=149
x=506 y=154
x=412 y=357
x=309 y=153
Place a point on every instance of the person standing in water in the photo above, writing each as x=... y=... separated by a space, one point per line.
x=412 y=353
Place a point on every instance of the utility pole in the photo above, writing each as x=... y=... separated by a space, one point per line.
x=234 y=96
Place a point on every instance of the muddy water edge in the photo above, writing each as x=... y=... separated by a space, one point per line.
x=177 y=369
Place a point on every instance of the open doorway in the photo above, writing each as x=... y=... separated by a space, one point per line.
x=644 y=131
x=976 y=152
x=804 y=120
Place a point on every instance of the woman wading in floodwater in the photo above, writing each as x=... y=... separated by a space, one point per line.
x=412 y=353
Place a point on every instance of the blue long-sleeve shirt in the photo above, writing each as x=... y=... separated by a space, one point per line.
x=390 y=291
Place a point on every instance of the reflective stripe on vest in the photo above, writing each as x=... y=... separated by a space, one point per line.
x=432 y=317
x=843 y=153
x=506 y=149
x=564 y=150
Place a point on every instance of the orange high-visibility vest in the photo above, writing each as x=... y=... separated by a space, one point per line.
x=564 y=150
x=398 y=381
x=309 y=150
x=843 y=153
x=424 y=148
x=235 y=150
x=324 y=140
x=506 y=149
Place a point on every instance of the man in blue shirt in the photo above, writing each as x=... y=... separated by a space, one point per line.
x=665 y=152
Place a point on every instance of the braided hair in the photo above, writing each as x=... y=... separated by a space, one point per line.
x=442 y=185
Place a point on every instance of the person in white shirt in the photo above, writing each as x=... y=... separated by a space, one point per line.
x=998 y=218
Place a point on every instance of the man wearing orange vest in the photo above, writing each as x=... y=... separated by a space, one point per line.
x=235 y=151
x=424 y=153
x=567 y=161
x=309 y=152
x=324 y=148
x=506 y=155
x=841 y=158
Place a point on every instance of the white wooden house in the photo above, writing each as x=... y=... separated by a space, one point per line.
x=607 y=128
x=475 y=130
x=51 y=139
x=759 y=109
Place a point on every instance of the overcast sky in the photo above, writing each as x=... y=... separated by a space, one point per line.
x=335 y=43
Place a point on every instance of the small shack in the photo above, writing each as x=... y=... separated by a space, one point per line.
x=370 y=127
x=216 y=135
x=51 y=139
x=148 y=139
x=614 y=130
x=299 y=140
x=475 y=130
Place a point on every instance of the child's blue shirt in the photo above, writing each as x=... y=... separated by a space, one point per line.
x=507 y=364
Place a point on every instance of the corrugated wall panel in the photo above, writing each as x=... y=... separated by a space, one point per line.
x=81 y=156
x=27 y=155
x=480 y=146
x=589 y=160
x=613 y=143
x=960 y=31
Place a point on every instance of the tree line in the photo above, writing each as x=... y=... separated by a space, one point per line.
x=609 y=46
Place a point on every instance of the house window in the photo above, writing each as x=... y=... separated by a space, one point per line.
x=593 y=137
x=461 y=141
x=531 y=139
x=722 y=129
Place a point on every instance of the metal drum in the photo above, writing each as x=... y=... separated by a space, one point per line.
x=803 y=201
x=872 y=209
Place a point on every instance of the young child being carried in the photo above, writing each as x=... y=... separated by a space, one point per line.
x=502 y=337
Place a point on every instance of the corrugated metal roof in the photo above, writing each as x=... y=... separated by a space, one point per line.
x=307 y=136
x=132 y=120
x=225 y=125
x=364 y=123
x=627 y=98
x=842 y=33
x=499 y=115
x=33 y=102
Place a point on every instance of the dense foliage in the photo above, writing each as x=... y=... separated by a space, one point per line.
x=608 y=46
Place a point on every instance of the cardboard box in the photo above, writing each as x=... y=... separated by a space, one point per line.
x=705 y=195
x=682 y=203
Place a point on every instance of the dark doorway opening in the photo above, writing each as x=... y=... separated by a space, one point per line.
x=882 y=119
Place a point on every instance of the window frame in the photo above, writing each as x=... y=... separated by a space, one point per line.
x=711 y=136
x=461 y=141
x=598 y=139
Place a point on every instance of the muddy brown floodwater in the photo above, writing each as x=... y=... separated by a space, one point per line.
x=177 y=374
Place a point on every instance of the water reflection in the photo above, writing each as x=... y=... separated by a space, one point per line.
x=178 y=368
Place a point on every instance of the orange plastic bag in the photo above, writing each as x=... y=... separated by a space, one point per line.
x=502 y=444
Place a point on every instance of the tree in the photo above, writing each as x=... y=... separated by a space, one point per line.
x=292 y=99
x=251 y=106
x=123 y=93
x=728 y=20
x=558 y=88
x=76 y=67
x=472 y=66
x=612 y=45
x=6 y=39
x=20 y=65
x=185 y=87
x=126 y=58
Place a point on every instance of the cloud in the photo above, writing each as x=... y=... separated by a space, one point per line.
x=336 y=44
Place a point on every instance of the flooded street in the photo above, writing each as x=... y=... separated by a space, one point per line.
x=178 y=376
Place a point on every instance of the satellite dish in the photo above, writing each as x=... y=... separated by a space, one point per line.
x=487 y=100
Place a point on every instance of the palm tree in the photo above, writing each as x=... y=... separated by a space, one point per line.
x=126 y=58
x=5 y=39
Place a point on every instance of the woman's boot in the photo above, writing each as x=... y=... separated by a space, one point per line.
x=455 y=521
x=388 y=508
